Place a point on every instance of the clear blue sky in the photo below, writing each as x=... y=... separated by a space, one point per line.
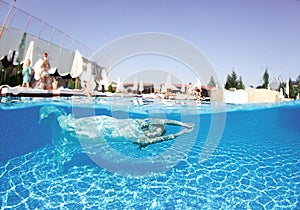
x=245 y=35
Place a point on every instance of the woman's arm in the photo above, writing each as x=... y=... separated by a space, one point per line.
x=143 y=142
x=171 y=122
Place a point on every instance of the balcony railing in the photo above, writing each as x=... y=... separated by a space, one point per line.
x=11 y=16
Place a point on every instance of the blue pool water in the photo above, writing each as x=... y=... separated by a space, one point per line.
x=256 y=164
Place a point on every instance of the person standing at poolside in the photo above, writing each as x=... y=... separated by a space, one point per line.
x=27 y=73
x=198 y=92
x=42 y=75
x=45 y=76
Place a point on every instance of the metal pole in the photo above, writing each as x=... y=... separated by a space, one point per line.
x=63 y=40
x=6 y=17
x=52 y=34
x=72 y=44
x=41 y=28
x=80 y=47
x=12 y=18
x=27 y=23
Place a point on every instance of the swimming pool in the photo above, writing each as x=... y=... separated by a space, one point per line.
x=256 y=163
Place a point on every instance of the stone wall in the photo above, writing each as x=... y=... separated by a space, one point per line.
x=254 y=96
x=262 y=95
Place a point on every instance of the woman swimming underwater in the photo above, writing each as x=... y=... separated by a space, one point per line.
x=138 y=131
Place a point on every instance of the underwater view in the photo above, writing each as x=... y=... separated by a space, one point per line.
x=128 y=153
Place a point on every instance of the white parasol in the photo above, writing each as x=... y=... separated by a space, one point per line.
x=105 y=81
x=141 y=86
x=275 y=85
x=287 y=89
x=77 y=66
x=182 y=88
x=281 y=93
x=87 y=79
x=168 y=84
x=119 y=86
x=135 y=84
x=198 y=83
x=29 y=52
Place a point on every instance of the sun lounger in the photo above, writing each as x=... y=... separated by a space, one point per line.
x=6 y=90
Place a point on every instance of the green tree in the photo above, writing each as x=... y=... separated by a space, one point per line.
x=282 y=86
x=297 y=87
x=266 y=79
x=240 y=83
x=292 y=89
x=228 y=82
x=233 y=81
x=110 y=87
x=72 y=84
x=212 y=82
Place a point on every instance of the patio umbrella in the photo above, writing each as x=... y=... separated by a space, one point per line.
x=66 y=76
x=53 y=72
x=29 y=52
x=141 y=86
x=198 y=83
x=105 y=79
x=182 y=88
x=135 y=85
x=120 y=87
x=281 y=93
x=287 y=89
x=168 y=84
x=275 y=85
x=77 y=68
x=87 y=79
x=163 y=88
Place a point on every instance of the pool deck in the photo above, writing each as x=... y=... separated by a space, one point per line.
x=29 y=92
x=18 y=91
x=219 y=95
